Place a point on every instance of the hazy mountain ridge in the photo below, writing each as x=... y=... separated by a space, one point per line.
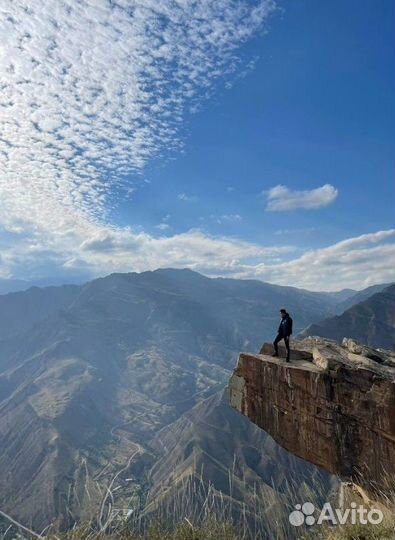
x=13 y=285
x=21 y=310
x=371 y=321
x=10 y=285
x=359 y=296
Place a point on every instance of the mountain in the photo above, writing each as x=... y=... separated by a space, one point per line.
x=207 y=444
x=15 y=285
x=340 y=296
x=11 y=285
x=20 y=311
x=371 y=322
x=359 y=296
x=89 y=374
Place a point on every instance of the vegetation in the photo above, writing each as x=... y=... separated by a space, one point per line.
x=385 y=531
x=199 y=512
x=211 y=530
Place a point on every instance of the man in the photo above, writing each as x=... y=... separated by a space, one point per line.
x=284 y=332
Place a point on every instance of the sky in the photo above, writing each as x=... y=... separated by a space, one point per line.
x=247 y=139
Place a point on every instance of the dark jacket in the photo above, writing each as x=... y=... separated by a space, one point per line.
x=285 y=328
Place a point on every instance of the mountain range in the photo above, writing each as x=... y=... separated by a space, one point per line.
x=111 y=394
x=8 y=285
x=371 y=321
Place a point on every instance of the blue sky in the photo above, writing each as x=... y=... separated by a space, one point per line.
x=318 y=108
x=284 y=172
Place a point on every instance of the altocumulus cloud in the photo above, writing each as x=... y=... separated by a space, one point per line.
x=281 y=199
x=92 y=90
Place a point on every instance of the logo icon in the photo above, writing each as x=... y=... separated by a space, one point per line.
x=303 y=514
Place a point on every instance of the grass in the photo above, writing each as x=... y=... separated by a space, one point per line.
x=383 y=531
x=212 y=530
x=384 y=501
x=197 y=511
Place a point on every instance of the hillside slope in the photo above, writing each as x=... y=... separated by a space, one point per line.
x=359 y=296
x=215 y=447
x=371 y=322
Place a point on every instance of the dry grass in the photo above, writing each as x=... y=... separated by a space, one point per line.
x=197 y=511
x=212 y=530
x=385 y=531
x=384 y=501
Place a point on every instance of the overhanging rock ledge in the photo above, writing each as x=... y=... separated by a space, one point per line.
x=332 y=405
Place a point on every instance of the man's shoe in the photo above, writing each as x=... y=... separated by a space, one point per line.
x=275 y=354
x=287 y=359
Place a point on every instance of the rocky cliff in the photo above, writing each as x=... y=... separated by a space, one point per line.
x=333 y=405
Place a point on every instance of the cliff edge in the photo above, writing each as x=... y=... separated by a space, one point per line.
x=332 y=405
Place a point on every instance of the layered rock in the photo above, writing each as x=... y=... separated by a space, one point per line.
x=332 y=405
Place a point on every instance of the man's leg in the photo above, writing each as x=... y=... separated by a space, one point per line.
x=275 y=344
x=286 y=341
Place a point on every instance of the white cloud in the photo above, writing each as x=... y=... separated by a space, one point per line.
x=186 y=198
x=227 y=218
x=231 y=217
x=356 y=262
x=298 y=231
x=280 y=198
x=162 y=226
x=125 y=250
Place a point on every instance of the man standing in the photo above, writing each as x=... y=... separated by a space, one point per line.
x=284 y=332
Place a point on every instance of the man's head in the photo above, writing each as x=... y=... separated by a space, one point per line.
x=283 y=312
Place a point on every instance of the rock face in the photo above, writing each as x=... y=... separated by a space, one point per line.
x=332 y=405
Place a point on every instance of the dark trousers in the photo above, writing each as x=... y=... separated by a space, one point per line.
x=279 y=337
